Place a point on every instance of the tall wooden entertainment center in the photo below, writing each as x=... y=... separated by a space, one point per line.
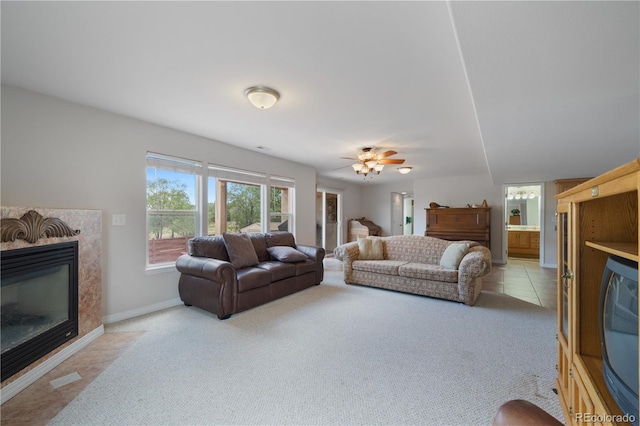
x=596 y=219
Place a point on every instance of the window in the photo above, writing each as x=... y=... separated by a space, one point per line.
x=172 y=207
x=181 y=204
x=281 y=203
x=238 y=201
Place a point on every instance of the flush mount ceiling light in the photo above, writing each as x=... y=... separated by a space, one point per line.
x=404 y=170
x=262 y=97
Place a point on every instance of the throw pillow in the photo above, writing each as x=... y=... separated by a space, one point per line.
x=240 y=249
x=287 y=254
x=370 y=249
x=377 y=250
x=453 y=255
x=364 y=245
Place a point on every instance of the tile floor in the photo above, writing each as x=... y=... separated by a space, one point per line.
x=40 y=402
x=524 y=279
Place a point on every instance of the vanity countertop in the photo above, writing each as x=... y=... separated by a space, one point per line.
x=523 y=228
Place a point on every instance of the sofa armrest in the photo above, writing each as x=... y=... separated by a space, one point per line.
x=314 y=252
x=347 y=253
x=317 y=254
x=476 y=263
x=205 y=267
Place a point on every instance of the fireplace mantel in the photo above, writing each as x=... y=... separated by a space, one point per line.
x=89 y=237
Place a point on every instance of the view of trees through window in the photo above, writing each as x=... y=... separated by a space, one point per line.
x=173 y=212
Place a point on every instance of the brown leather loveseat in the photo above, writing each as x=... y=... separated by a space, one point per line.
x=231 y=273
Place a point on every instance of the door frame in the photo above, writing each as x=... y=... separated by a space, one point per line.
x=505 y=221
x=339 y=209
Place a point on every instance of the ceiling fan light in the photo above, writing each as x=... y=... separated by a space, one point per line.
x=371 y=163
x=378 y=167
x=357 y=167
x=262 y=97
x=404 y=170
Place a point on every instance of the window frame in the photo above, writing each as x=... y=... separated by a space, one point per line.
x=203 y=173
x=178 y=165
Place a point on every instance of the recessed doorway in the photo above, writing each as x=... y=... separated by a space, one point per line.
x=523 y=222
x=328 y=219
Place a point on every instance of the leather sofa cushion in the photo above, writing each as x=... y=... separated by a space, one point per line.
x=287 y=254
x=428 y=272
x=252 y=277
x=260 y=246
x=212 y=246
x=280 y=239
x=388 y=267
x=240 y=249
x=279 y=270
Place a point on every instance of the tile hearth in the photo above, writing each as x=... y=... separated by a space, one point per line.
x=42 y=401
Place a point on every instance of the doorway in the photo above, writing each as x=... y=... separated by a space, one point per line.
x=408 y=214
x=401 y=213
x=328 y=219
x=524 y=221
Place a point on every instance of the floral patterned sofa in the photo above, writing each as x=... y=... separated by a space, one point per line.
x=427 y=266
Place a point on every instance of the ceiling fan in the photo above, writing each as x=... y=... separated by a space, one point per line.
x=369 y=160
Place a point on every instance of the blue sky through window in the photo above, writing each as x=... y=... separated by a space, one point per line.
x=183 y=178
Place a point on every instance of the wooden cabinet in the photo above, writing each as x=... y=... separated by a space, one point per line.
x=595 y=219
x=455 y=224
x=565 y=184
x=523 y=243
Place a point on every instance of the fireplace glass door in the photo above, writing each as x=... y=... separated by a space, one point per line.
x=39 y=303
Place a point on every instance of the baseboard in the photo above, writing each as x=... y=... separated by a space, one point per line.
x=110 y=319
x=21 y=383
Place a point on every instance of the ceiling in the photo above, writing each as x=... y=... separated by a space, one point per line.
x=524 y=91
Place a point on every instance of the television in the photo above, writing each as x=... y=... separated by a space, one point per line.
x=619 y=333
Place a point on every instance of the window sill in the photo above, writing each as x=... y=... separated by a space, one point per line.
x=160 y=269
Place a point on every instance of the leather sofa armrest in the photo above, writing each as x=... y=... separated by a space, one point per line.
x=205 y=267
x=524 y=413
x=315 y=253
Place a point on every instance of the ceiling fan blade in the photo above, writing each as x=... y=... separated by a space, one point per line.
x=387 y=154
x=349 y=158
x=390 y=161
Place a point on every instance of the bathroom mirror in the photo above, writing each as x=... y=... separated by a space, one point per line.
x=523 y=206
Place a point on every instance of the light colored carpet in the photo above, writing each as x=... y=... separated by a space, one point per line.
x=331 y=354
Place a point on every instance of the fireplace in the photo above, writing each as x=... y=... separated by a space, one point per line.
x=39 y=299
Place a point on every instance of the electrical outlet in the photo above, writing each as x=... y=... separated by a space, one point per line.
x=118 y=219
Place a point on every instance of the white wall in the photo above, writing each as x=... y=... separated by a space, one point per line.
x=376 y=202
x=65 y=155
x=453 y=192
x=458 y=192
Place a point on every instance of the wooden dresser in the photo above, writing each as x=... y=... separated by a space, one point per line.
x=460 y=223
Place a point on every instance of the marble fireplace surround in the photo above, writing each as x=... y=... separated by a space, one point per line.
x=90 y=327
